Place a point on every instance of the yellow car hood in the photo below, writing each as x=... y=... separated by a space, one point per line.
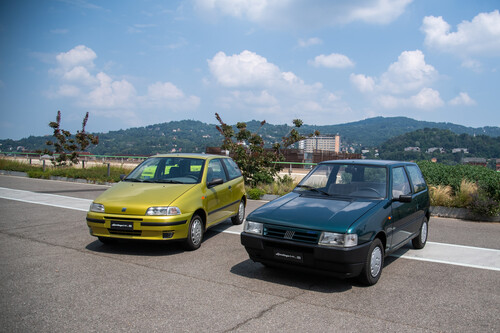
x=135 y=198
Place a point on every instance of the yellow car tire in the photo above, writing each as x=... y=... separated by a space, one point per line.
x=195 y=233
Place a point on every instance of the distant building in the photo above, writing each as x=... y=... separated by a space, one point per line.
x=460 y=150
x=324 y=143
x=433 y=149
x=498 y=164
x=412 y=149
x=474 y=161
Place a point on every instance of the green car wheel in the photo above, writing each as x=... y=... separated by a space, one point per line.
x=374 y=263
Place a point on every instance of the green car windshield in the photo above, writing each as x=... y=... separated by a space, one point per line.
x=348 y=180
x=176 y=170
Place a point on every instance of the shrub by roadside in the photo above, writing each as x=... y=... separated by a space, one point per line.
x=95 y=174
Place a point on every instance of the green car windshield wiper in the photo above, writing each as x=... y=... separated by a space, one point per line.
x=313 y=189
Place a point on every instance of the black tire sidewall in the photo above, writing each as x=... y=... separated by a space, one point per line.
x=417 y=242
x=189 y=241
x=236 y=219
x=366 y=276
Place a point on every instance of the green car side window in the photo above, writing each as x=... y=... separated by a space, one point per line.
x=400 y=183
x=417 y=178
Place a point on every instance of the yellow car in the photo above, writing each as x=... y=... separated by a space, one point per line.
x=170 y=197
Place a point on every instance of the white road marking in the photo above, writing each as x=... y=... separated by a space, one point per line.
x=451 y=254
x=46 y=199
x=467 y=256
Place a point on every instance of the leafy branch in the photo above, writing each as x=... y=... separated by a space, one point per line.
x=68 y=148
x=247 y=149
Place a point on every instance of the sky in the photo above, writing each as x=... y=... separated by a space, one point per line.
x=138 y=63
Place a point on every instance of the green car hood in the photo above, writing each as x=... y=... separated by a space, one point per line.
x=313 y=212
x=135 y=198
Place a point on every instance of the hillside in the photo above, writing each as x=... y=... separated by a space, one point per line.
x=194 y=136
x=444 y=140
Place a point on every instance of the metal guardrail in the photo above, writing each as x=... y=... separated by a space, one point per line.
x=27 y=155
x=87 y=157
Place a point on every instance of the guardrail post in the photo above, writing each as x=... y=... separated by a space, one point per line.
x=43 y=166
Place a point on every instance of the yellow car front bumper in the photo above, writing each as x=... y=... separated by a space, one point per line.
x=138 y=227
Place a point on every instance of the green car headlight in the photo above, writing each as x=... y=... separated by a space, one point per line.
x=159 y=211
x=253 y=227
x=335 y=239
x=95 y=207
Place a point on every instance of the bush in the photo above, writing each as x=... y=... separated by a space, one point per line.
x=469 y=186
x=96 y=174
x=481 y=204
x=441 y=174
x=440 y=195
x=463 y=198
x=281 y=186
x=255 y=193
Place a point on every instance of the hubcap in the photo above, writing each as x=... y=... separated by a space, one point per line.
x=376 y=261
x=423 y=233
x=196 y=232
x=241 y=211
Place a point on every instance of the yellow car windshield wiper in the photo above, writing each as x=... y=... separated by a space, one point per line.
x=170 y=181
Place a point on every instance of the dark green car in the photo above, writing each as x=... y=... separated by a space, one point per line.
x=343 y=218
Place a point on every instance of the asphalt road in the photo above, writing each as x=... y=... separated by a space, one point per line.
x=55 y=277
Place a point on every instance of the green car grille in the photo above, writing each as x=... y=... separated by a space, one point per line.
x=298 y=235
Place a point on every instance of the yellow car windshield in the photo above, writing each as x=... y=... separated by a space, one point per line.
x=178 y=170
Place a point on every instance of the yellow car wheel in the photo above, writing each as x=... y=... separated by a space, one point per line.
x=238 y=218
x=195 y=233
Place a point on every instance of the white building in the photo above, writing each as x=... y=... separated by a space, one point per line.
x=326 y=143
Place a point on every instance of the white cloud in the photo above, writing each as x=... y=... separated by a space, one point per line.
x=362 y=83
x=111 y=94
x=479 y=37
x=78 y=56
x=309 y=42
x=79 y=74
x=108 y=96
x=405 y=84
x=381 y=11
x=256 y=85
x=426 y=99
x=246 y=69
x=166 y=90
x=333 y=60
x=304 y=13
x=409 y=73
x=166 y=94
x=462 y=99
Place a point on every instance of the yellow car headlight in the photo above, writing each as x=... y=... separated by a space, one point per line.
x=95 y=207
x=159 y=211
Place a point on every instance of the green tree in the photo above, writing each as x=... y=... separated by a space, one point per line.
x=67 y=147
x=247 y=149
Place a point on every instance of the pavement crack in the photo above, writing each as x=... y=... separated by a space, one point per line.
x=258 y=316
